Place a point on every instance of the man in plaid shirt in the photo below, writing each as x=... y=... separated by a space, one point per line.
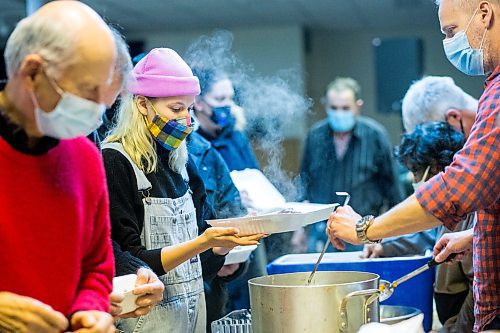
x=471 y=182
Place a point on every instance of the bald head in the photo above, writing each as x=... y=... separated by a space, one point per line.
x=468 y=4
x=69 y=10
x=64 y=45
x=62 y=33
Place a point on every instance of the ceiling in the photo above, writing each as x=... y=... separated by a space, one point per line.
x=174 y=15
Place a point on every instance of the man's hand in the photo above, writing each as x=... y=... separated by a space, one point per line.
x=92 y=321
x=342 y=227
x=372 y=251
x=21 y=314
x=456 y=242
x=228 y=270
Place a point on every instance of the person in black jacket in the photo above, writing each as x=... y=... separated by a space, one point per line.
x=157 y=198
x=148 y=286
x=347 y=152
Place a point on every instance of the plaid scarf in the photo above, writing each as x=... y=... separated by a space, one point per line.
x=171 y=133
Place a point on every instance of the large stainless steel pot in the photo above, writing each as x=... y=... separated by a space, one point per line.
x=393 y=314
x=333 y=302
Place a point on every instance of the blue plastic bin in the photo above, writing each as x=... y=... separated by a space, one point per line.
x=416 y=292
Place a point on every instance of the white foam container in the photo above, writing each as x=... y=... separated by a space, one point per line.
x=260 y=190
x=126 y=285
x=239 y=254
x=306 y=213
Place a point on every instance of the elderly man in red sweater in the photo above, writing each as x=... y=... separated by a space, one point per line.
x=55 y=246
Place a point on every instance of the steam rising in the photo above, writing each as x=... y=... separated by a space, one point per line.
x=270 y=103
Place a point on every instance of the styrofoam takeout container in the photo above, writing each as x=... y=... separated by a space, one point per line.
x=239 y=254
x=261 y=192
x=126 y=285
x=305 y=213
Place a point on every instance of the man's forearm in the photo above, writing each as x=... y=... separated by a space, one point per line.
x=407 y=217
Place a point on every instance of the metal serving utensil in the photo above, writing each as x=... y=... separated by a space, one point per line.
x=387 y=288
x=346 y=201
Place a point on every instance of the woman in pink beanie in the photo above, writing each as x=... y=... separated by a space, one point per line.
x=157 y=198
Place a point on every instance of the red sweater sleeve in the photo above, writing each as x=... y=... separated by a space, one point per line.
x=98 y=264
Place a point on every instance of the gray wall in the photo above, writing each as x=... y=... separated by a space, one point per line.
x=268 y=49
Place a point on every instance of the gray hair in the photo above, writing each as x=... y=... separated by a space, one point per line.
x=428 y=100
x=123 y=64
x=54 y=41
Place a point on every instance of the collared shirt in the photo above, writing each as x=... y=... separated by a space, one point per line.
x=472 y=182
x=367 y=171
x=341 y=144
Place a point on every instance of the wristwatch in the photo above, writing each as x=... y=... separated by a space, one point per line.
x=361 y=228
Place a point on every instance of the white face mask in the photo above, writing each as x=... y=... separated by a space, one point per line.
x=73 y=116
x=417 y=185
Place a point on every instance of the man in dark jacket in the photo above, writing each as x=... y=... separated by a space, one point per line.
x=347 y=152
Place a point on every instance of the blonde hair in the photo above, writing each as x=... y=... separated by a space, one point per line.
x=132 y=132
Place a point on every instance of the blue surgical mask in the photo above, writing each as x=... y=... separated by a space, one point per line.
x=341 y=120
x=459 y=52
x=417 y=185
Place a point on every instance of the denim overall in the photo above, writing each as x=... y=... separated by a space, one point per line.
x=169 y=222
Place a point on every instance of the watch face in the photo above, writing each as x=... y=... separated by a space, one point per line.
x=360 y=229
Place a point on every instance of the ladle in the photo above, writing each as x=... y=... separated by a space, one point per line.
x=387 y=288
x=348 y=197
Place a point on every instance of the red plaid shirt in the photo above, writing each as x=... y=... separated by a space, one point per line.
x=471 y=183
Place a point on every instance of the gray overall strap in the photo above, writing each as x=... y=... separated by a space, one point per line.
x=142 y=182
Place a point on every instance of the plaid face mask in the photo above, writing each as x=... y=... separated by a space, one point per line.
x=171 y=133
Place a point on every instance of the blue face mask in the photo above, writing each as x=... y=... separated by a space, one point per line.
x=340 y=120
x=223 y=117
x=459 y=52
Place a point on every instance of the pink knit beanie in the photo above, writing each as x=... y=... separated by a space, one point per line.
x=163 y=73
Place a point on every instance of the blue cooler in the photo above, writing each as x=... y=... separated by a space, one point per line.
x=416 y=292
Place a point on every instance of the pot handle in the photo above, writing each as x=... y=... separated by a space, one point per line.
x=373 y=293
